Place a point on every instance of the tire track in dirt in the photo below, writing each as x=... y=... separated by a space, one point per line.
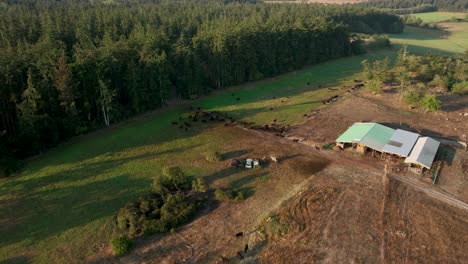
x=339 y=202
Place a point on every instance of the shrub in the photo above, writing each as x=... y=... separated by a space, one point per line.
x=229 y=195
x=134 y=215
x=213 y=156
x=121 y=245
x=460 y=88
x=411 y=97
x=440 y=82
x=413 y=94
x=430 y=103
x=378 y=41
x=175 y=211
x=154 y=214
x=374 y=86
x=199 y=185
x=171 y=180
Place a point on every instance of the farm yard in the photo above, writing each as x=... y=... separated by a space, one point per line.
x=312 y=204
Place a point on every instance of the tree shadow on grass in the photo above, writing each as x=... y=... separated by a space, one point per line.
x=16 y=260
x=58 y=210
x=235 y=154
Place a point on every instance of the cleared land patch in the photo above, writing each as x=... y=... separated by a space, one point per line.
x=453 y=39
x=434 y=17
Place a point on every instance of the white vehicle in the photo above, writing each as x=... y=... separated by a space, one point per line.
x=256 y=164
x=248 y=163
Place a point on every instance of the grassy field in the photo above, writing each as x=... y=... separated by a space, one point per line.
x=60 y=208
x=68 y=196
x=452 y=40
x=434 y=17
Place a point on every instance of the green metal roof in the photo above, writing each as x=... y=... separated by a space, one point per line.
x=377 y=137
x=355 y=133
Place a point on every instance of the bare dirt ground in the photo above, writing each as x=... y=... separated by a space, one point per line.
x=450 y=122
x=351 y=216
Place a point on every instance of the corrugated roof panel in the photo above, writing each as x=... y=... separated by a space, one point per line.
x=424 y=152
x=401 y=143
x=377 y=137
x=355 y=132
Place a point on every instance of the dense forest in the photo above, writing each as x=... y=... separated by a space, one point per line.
x=417 y=6
x=67 y=67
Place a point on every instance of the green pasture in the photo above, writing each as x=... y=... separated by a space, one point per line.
x=435 y=17
x=450 y=41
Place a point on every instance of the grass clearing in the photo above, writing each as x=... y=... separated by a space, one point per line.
x=435 y=17
x=450 y=41
x=67 y=197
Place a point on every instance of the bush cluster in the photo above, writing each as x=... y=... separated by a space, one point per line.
x=460 y=88
x=229 y=195
x=120 y=245
x=166 y=207
x=213 y=156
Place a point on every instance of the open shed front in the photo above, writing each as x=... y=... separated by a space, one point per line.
x=423 y=153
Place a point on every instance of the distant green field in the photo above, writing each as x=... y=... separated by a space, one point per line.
x=62 y=203
x=434 y=17
x=453 y=40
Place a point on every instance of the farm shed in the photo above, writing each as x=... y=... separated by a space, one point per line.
x=354 y=134
x=377 y=137
x=401 y=143
x=424 y=152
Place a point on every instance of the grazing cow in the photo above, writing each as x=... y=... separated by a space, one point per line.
x=240 y=234
x=224 y=259
x=246 y=247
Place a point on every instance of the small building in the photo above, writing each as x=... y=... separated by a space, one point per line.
x=423 y=153
x=354 y=134
x=417 y=150
x=365 y=135
x=377 y=137
x=401 y=143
